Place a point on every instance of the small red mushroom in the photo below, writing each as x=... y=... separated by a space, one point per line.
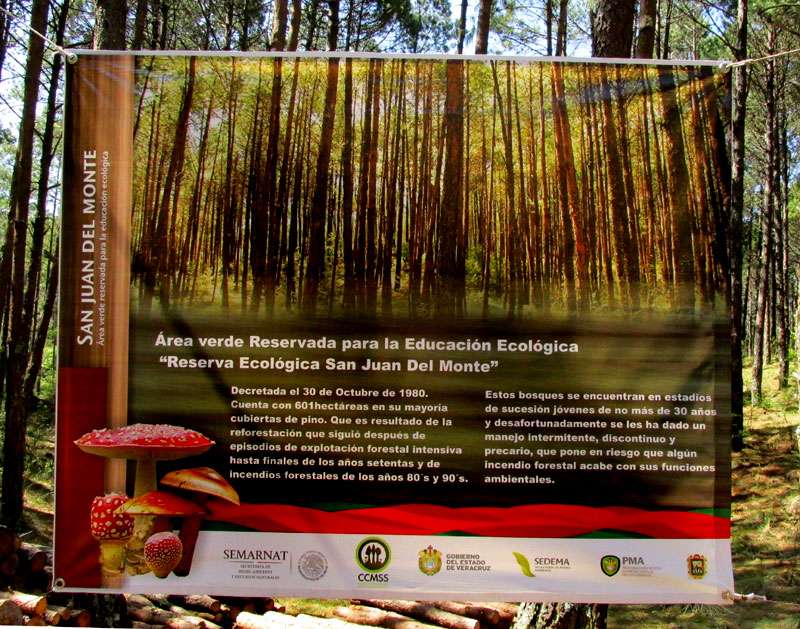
x=162 y=552
x=112 y=530
x=204 y=483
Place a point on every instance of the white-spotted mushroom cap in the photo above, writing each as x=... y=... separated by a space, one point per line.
x=160 y=503
x=162 y=552
x=203 y=480
x=106 y=523
x=143 y=442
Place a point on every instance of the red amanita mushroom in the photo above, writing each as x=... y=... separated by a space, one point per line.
x=146 y=444
x=205 y=483
x=162 y=505
x=112 y=530
x=162 y=552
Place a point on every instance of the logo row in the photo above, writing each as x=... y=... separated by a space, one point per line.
x=373 y=556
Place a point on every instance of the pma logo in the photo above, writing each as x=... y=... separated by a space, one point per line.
x=610 y=565
x=373 y=556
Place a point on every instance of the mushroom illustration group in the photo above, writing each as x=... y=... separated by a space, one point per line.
x=141 y=527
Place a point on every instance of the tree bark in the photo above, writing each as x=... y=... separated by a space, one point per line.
x=738 y=114
x=316 y=235
x=110 y=19
x=612 y=28
x=12 y=278
x=449 y=225
x=484 y=21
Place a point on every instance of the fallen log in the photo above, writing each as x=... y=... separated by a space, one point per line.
x=198 y=601
x=30 y=604
x=485 y=615
x=10 y=613
x=9 y=541
x=52 y=616
x=378 y=618
x=9 y=564
x=426 y=612
x=34 y=558
x=34 y=621
x=187 y=622
x=507 y=611
x=332 y=623
x=80 y=618
x=248 y=620
x=151 y=615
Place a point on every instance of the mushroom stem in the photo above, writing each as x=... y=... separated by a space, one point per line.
x=190 y=529
x=112 y=562
x=145 y=477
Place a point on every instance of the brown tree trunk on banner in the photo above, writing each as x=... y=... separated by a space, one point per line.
x=371 y=270
x=316 y=233
x=12 y=279
x=348 y=299
x=392 y=196
x=679 y=189
x=274 y=204
x=171 y=186
x=511 y=231
x=570 y=209
x=449 y=227
x=360 y=263
x=624 y=254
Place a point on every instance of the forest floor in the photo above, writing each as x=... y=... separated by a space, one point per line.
x=765 y=525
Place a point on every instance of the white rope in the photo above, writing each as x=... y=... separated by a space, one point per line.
x=70 y=56
x=747 y=62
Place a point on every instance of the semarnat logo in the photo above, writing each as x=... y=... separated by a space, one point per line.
x=237 y=554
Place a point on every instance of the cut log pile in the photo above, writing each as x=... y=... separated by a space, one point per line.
x=393 y=614
x=192 y=611
x=24 y=567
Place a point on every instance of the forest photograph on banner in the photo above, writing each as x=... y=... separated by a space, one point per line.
x=343 y=325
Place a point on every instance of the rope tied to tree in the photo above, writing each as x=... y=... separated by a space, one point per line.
x=747 y=62
x=71 y=57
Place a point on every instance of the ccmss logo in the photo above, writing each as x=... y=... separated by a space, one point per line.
x=373 y=556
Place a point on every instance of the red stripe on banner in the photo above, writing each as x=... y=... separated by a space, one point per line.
x=523 y=521
x=81 y=408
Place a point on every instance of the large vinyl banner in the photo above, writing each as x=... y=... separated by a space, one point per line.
x=396 y=327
